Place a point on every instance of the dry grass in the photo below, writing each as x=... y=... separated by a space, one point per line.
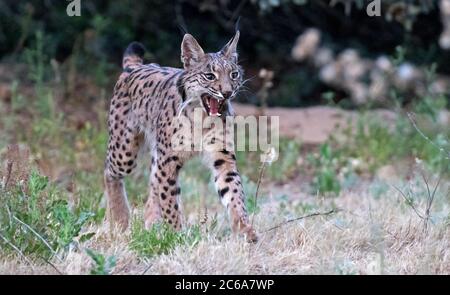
x=367 y=236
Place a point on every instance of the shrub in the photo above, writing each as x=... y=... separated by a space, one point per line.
x=39 y=220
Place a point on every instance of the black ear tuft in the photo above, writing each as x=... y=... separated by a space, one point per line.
x=183 y=29
x=236 y=25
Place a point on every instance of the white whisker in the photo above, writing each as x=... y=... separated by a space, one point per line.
x=184 y=105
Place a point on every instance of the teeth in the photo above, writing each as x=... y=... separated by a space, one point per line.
x=208 y=105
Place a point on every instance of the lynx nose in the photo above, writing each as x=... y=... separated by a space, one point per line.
x=227 y=94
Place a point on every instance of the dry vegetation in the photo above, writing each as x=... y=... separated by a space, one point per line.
x=367 y=236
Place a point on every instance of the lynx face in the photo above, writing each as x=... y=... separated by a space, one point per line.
x=211 y=79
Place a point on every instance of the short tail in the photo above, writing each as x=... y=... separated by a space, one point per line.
x=133 y=56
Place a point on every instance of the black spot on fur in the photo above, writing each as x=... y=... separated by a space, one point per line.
x=219 y=163
x=175 y=191
x=223 y=191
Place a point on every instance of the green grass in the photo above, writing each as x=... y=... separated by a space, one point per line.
x=101 y=265
x=161 y=238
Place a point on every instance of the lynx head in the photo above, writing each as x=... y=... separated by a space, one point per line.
x=211 y=79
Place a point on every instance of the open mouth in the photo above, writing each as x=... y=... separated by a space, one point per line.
x=213 y=106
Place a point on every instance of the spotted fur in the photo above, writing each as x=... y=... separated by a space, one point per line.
x=146 y=101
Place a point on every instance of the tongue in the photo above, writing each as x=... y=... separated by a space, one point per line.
x=214 y=107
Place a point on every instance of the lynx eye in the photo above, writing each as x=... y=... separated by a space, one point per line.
x=234 y=75
x=210 y=76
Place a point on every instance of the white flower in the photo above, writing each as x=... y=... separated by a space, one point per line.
x=269 y=156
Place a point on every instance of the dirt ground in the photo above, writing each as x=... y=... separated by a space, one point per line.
x=312 y=125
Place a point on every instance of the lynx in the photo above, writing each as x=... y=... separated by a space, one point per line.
x=146 y=102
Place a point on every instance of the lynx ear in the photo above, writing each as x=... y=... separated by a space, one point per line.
x=229 y=50
x=191 y=52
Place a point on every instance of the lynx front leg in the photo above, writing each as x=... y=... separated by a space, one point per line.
x=229 y=187
x=164 y=191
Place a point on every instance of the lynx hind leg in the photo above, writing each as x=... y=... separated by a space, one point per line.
x=123 y=147
x=118 y=208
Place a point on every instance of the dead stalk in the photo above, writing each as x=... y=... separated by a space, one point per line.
x=425 y=216
x=146 y=269
x=441 y=149
x=52 y=265
x=303 y=217
x=261 y=174
x=8 y=173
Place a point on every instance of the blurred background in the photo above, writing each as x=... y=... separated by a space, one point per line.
x=363 y=104
x=416 y=33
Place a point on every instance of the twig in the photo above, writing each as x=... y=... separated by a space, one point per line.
x=261 y=173
x=409 y=203
x=430 y=199
x=52 y=265
x=146 y=269
x=303 y=217
x=441 y=149
x=39 y=236
x=17 y=250
x=204 y=217
x=8 y=173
